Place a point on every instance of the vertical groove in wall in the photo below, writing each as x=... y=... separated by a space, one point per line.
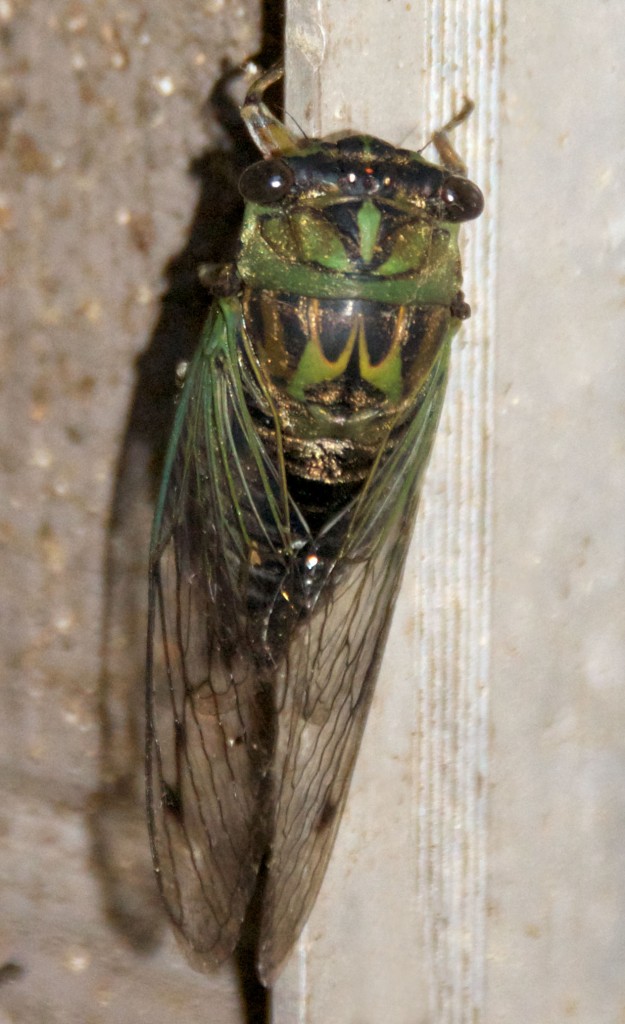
x=462 y=54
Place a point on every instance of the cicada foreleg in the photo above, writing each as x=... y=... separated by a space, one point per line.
x=449 y=158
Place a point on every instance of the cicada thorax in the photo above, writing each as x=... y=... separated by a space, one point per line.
x=352 y=276
x=344 y=374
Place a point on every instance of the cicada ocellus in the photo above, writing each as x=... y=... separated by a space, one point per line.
x=287 y=503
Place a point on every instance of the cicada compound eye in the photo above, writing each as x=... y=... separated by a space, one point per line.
x=266 y=182
x=462 y=199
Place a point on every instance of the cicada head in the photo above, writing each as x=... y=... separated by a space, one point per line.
x=347 y=217
x=343 y=213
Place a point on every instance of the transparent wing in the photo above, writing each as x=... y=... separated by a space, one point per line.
x=210 y=713
x=327 y=680
x=259 y=675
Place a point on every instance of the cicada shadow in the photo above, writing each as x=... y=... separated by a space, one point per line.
x=118 y=825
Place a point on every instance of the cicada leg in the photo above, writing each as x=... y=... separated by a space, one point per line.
x=449 y=158
x=268 y=132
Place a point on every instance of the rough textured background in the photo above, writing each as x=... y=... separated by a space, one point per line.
x=103 y=221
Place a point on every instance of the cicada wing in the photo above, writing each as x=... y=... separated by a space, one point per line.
x=209 y=714
x=329 y=675
x=318 y=742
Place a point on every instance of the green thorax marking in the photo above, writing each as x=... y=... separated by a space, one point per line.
x=351 y=356
x=369 y=219
x=301 y=251
x=315 y=368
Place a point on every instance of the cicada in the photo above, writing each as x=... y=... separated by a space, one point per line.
x=289 y=492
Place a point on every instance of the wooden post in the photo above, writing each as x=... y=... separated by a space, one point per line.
x=398 y=931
